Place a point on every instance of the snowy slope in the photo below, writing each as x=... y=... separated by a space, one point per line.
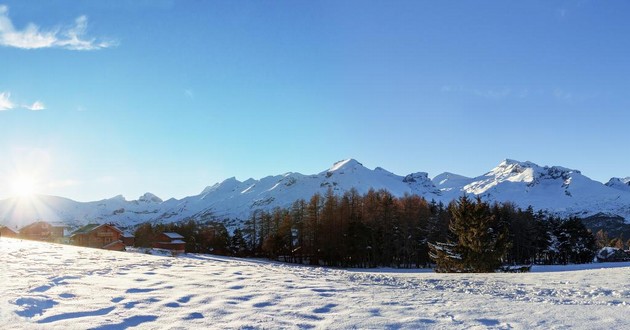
x=619 y=183
x=555 y=189
x=48 y=286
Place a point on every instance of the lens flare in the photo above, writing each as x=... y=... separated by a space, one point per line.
x=24 y=186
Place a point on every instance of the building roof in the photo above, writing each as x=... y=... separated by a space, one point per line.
x=9 y=228
x=91 y=227
x=114 y=243
x=40 y=222
x=173 y=235
x=35 y=224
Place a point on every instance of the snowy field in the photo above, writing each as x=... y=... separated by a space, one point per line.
x=48 y=286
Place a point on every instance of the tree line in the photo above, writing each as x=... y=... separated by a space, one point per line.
x=378 y=229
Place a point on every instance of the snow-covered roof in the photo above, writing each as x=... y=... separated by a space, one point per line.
x=177 y=241
x=173 y=235
x=91 y=227
x=8 y=228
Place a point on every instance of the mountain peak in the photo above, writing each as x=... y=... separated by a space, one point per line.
x=226 y=184
x=150 y=198
x=118 y=198
x=619 y=183
x=514 y=163
x=345 y=164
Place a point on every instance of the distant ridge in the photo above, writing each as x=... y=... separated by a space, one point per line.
x=554 y=189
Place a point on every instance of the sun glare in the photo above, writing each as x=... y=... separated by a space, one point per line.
x=24 y=186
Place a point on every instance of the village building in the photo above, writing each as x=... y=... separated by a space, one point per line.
x=42 y=231
x=128 y=238
x=171 y=241
x=8 y=232
x=102 y=236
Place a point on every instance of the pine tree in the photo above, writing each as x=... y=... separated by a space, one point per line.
x=238 y=245
x=481 y=240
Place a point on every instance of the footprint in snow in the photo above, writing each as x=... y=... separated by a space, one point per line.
x=41 y=289
x=193 y=316
x=325 y=309
x=32 y=306
x=263 y=304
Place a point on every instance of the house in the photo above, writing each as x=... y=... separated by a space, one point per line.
x=8 y=232
x=128 y=238
x=102 y=236
x=42 y=231
x=171 y=241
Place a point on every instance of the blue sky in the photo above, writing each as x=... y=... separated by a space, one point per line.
x=99 y=98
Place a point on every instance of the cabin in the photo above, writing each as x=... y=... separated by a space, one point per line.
x=128 y=238
x=115 y=246
x=8 y=232
x=99 y=236
x=42 y=231
x=171 y=241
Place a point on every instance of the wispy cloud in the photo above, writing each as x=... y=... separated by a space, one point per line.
x=563 y=95
x=32 y=37
x=36 y=106
x=5 y=102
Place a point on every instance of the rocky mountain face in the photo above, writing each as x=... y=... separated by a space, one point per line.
x=554 y=189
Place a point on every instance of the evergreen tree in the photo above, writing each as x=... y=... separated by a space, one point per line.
x=238 y=245
x=481 y=240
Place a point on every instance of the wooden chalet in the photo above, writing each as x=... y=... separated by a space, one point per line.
x=103 y=236
x=171 y=241
x=8 y=232
x=128 y=238
x=42 y=231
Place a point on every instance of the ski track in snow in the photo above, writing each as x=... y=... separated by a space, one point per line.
x=48 y=286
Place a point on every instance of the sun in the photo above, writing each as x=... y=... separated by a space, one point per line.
x=24 y=186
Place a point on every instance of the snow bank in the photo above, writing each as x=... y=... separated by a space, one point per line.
x=47 y=286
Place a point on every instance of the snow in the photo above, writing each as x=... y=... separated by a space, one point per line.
x=48 y=286
x=173 y=235
x=558 y=190
x=620 y=183
x=149 y=198
x=345 y=164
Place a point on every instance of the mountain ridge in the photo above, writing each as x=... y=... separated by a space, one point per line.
x=554 y=189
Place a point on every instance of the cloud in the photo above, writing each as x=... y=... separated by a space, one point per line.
x=36 y=106
x=5 y=102
x=32 y=37
x=563 y=95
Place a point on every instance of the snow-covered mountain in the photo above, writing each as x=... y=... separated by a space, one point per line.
x=554 y=189
x=619 y=183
